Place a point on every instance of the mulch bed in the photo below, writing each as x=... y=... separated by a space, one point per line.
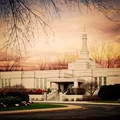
x=24 y=103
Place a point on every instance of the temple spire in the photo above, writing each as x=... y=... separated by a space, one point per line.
x=84 y=51
x=84 y=43
x=84 y=27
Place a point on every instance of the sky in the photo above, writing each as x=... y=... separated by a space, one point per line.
x=68 y=30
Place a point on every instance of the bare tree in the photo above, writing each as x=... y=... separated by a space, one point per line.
x=11 y=63
x=111 y=53
x=105 y=54
x=117 y=63
x=52 y=65
x=90 y=87
x=62 y=61
x=42 y=63
x=21 y=19
x=97 y=52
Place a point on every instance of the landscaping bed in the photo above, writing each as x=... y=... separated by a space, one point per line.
x=24 y=103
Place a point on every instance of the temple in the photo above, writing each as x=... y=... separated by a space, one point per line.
x=84 y=69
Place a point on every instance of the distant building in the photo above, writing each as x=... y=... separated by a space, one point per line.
x=84 y=69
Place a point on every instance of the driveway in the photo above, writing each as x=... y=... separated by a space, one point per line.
x=91 y=110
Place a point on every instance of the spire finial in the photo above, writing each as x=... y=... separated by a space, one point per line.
x=84 y=27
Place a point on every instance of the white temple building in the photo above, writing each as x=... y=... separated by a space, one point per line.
x=83 y=69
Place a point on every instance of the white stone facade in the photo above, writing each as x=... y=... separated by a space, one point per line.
x=84 y=69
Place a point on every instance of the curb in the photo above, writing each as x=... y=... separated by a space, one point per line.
x=75 y=102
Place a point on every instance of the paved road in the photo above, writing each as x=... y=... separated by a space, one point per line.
x=91 y=110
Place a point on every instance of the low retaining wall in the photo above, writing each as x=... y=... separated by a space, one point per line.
x=69 y=97
x=73 y=96
x=36 y=97
x=41 y=97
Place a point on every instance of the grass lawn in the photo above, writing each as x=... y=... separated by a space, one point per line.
x=32 y=106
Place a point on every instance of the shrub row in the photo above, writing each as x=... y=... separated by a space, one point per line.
x=15 y=88
x=10 y=100
x=109 y=92
x=36 y=91
x=89 y=98
x=27 y=91
x=24 y=97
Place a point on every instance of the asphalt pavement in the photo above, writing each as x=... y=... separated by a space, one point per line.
x=77 y=110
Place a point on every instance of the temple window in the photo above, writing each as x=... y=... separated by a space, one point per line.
x=37 y=82
x=2 y=83
x=45 y=83
x=100 y=81
x=41 y=83
x=105 y=81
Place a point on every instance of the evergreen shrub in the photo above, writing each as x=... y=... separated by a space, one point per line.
x=116 y=91
x=77 y=99
x=68 y=91
x=104 y=93
x=109 y=92
x=2 y=95
x=23 y=96
x=66 y=99
x=48 y=91
x=10 y=100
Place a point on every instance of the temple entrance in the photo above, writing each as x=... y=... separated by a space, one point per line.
x=62 y=86
x=66 y=84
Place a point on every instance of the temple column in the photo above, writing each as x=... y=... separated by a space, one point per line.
x=75 y=83
x=48 y=84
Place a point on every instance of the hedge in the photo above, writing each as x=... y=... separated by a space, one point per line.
x=24 y=97
x=10 y=100
x=104 y=92
x=109 y=92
